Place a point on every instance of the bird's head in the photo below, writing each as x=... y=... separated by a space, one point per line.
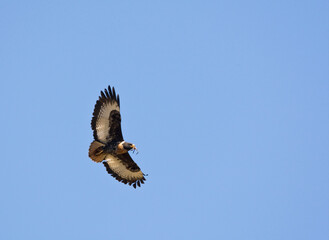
x=128 y=146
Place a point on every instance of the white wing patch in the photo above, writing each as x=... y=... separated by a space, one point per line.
x=121 y=170
x=102 y=123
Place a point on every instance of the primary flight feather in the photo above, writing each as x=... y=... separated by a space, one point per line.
x=108 y=145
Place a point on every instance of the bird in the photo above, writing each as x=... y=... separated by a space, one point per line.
x=109 y=146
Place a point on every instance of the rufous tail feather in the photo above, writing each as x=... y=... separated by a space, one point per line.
x=96 y=151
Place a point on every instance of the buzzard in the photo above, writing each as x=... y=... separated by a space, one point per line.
x=109 y=146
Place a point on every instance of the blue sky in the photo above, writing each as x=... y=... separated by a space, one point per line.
x=227 y=101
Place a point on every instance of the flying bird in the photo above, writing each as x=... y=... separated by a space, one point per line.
x=108 y=145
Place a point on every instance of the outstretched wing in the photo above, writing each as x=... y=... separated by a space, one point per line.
x=124 y=169
x=106 y=121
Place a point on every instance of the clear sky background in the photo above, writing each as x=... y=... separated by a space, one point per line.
x=227 y=101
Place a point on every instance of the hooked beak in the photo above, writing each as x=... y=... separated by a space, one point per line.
x=134 y=148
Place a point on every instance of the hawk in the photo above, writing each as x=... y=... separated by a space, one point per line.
x=108 y=145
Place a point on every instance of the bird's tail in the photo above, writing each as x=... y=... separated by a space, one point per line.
x=96 y=152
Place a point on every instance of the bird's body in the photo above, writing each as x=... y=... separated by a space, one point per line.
x=109 y=146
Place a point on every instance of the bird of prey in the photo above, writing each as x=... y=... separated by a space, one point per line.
x=109 y=146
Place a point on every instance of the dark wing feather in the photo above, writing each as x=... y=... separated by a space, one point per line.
x=124 y=169
x=106 y=121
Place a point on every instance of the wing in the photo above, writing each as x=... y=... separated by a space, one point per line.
x=124 y=169
x=106 y=121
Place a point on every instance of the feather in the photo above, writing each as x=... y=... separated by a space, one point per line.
x=123 y=169
x=102 y=123
x=96 y=151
